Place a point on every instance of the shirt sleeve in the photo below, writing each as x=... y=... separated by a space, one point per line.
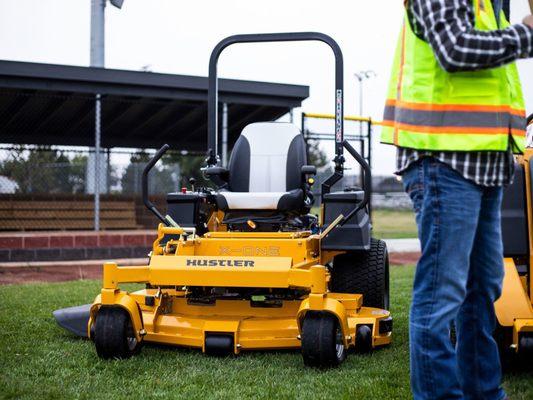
x=449 y=27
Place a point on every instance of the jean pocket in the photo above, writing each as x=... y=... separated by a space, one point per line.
x=413 y=183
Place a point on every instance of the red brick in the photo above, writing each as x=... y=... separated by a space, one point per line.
x=149 y=239
x=10 y=242
x=86 y=241
x=61 y=241
x=33 y=242
x=110 y=240
x=133 y=240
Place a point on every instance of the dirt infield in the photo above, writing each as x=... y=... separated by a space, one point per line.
x=13 y=273
x=76 y=270
x=404 y=258
x=49 y=274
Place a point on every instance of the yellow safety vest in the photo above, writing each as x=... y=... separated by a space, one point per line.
x=430 y=109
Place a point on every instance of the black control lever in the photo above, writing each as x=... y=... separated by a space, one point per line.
x=149 y=205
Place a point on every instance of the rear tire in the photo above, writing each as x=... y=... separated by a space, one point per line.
x=364 y=272
x=114 y=336
x=322 y=341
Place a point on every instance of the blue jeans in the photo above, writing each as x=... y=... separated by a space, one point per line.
x=458 y=278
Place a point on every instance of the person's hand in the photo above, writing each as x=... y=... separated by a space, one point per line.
x=528 y=21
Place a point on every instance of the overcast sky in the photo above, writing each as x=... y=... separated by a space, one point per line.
x=175 y=36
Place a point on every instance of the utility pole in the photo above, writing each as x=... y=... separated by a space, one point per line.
x=98 y=61
x=361 y=76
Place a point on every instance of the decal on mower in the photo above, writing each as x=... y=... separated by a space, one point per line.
x=338 y=117
x=263 y=251
x=219 y=263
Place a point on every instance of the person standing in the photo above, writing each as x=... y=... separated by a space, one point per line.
x=456 y=112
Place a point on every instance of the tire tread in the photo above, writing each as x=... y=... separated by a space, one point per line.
x=318 y=340
x=365 y=273
x=110 y=333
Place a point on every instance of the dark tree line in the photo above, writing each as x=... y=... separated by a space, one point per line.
x=43 y=170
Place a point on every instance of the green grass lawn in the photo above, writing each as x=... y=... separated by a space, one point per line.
x=394 y=224
x=41 y=361
x=390 y=224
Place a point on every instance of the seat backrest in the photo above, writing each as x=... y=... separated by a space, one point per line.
x=267 y=157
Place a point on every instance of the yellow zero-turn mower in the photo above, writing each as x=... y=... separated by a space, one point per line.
x=514 y=309
x=245 y=266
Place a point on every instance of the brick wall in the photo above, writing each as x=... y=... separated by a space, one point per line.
x=62 y=246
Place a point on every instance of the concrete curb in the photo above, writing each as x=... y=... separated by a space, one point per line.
x=403 y=245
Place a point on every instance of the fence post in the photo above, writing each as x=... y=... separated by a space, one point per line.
x=97 y=60
x=97 y=133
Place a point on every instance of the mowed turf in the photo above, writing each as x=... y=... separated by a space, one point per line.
x=41 y=361
x=393 y=224
x=390 y=224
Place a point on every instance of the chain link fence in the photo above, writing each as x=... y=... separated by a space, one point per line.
x=52 y=188
x=43 y=187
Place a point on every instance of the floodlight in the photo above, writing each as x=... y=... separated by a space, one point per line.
x=117 y=3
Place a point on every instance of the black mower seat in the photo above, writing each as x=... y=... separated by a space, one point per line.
x=265 y=169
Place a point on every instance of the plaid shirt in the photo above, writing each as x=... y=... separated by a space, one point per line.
x=448 y=26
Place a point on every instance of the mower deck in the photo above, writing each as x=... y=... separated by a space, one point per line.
x=169 y=312
x=250 y=326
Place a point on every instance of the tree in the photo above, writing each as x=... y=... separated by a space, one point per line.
x=317 y=156
x=44 y=170
x=161 y=177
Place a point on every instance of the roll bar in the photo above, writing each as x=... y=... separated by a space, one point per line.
x=149 y=205
x=340 y=143
x=212 y=106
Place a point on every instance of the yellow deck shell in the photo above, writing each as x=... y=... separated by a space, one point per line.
x=290 y=260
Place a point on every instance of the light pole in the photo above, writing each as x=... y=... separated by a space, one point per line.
x=361 y=76
x=98 y=60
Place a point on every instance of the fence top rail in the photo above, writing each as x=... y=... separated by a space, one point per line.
x=346 y=118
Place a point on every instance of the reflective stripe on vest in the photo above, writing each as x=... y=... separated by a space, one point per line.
x=474 y=118
x=430 y=109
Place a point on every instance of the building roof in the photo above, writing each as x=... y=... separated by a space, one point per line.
x=50 y=104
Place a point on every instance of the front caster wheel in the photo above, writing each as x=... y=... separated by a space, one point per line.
x=322 y=341
x=114 y=336
x=363 y=339
x=525 y=344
